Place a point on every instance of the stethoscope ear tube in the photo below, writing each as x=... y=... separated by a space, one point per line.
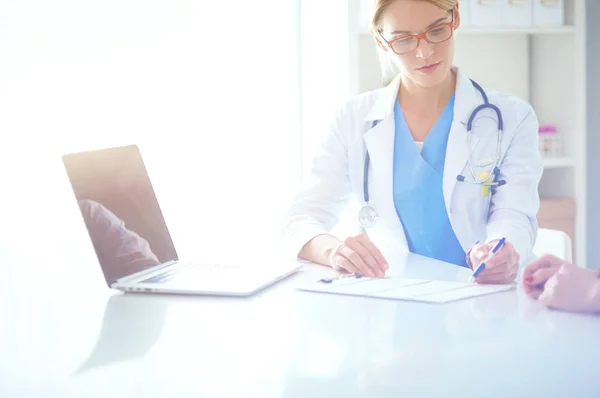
x=482 y=107
x=495 y=170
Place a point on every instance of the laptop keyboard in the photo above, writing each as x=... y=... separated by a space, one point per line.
x=189 y=270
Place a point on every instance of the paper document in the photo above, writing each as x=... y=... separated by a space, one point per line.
x=405 y=289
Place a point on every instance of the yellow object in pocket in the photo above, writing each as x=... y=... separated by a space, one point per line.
x=483 y=176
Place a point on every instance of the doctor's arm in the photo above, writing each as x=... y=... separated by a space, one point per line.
x=514 y=206
x=316 y=208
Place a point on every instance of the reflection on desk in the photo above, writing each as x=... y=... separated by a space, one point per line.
x=284 y=343
x=129 y=330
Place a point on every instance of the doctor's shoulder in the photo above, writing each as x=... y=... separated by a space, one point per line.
x=516 y=112
x=351 y=117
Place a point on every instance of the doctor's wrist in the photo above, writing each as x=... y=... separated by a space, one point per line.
x=320 y=248
x=469 y=261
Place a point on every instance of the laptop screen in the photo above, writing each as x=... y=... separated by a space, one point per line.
x=120 y=210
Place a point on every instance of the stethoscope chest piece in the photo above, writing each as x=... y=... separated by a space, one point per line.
x=367 y=216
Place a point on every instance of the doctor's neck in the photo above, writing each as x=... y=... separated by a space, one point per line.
x=416 y=96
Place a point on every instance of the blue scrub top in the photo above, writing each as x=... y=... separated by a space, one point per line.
x=418 y=194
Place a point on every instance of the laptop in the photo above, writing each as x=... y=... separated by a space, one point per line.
x=130 y=235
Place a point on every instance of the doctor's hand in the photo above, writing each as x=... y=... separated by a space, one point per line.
x=357 y=254
x=502 y=268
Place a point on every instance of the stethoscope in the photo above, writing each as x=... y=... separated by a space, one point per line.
x=368 y=216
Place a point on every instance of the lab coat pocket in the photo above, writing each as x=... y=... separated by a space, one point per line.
x=469 y=201
x=484 y=193
x=486 y=208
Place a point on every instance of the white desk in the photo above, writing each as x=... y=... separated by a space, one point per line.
x=86 y=341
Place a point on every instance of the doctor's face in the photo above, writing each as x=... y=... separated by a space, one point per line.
x=421 y=38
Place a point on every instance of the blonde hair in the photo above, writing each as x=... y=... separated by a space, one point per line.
x=388 y=70
x=379 y=7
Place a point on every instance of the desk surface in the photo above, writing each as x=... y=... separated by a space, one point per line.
x=60 y=339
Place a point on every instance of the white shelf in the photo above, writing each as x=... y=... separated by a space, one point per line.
x=558 y=30
x=556 y=163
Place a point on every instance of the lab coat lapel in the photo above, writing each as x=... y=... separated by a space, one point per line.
x=457 y=152
x=379 y=141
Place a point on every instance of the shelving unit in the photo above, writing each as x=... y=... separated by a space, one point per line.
x=555 y=163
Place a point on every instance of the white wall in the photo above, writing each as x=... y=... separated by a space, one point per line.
x=481 y=56
x=211 y=95
x=326 y=79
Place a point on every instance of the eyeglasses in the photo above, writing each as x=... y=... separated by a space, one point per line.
x=434 y=35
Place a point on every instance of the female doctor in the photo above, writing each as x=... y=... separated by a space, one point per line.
x=441 y=167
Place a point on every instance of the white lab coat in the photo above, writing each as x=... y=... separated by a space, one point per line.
x=337 y=172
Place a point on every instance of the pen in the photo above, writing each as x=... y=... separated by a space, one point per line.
x=491 y=255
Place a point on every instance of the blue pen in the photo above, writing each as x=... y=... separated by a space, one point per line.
x=491 y=255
